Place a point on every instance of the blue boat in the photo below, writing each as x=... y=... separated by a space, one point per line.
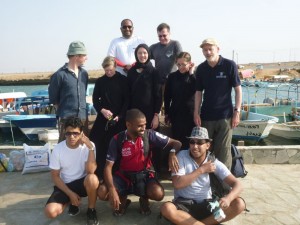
x=31 y=125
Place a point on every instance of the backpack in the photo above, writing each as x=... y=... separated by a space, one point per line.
x=237 y=167
x=218 y=188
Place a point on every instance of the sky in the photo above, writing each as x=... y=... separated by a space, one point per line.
x=35 y=34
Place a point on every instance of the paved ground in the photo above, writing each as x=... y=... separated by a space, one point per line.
x=272 y=193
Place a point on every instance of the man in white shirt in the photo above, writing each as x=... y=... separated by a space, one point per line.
x=72 y=164
x=122 y=48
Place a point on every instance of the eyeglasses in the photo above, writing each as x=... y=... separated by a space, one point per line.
x=125 y=27
x=181 y=65
x=162 y=36
x=200 y=142
x=75 y=134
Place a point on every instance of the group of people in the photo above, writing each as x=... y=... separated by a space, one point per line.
x=115 y=159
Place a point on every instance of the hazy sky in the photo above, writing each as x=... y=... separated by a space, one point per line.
x=35 y=34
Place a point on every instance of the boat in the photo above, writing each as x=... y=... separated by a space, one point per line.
x=254 y=126
x=288 y=130
x=282 y=102
x=33 y=113
x=31 y=125
x=8 y=107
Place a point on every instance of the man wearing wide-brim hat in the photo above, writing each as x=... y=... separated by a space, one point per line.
x=215 y=79
x=67 y=88
x=192 y=183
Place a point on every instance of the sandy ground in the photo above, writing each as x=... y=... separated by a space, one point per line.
x=38 y=77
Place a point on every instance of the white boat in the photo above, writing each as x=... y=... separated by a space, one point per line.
x=30 y=125
x=254 y=126
x=7 y=107
x=288 y=130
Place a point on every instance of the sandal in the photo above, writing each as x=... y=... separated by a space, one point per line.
x=144 y=206
x=122 y=209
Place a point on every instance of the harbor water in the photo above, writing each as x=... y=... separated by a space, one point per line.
x=250 y=95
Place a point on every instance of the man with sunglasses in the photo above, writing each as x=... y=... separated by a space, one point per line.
x=73 y=163
x=67 y=88
x=122 y=48
x=165 y=52
x=192 y=188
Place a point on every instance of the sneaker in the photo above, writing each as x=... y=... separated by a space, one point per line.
x=73 y=210
x=92 y=217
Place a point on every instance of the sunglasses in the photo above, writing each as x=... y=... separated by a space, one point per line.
x=181 y=65
x=198 y=142
x=75 y=134
x=162 y=36
x=125 y=27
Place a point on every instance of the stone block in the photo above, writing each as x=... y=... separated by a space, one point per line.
x=295 y=159
x=282 y=156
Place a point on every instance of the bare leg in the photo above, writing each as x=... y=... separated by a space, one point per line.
x=102 y=191
x=169 y=211
x=91 y=184
x=176 y=216
x=53 y=210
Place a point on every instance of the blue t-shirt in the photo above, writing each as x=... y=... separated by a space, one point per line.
x=217 y=83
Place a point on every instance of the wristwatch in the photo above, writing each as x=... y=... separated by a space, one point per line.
x=91 y=149
x=236 y=109
x=173 y=150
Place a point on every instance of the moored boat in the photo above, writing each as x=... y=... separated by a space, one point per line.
x=30 y=125
x=288 y=130
x=254 y=126
x=8 y=107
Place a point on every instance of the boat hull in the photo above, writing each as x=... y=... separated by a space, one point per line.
x=30 y=125
x=286 y=131
x=254 y=126
x=253 y=130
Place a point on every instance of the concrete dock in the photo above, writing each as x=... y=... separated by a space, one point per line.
x=271 y=191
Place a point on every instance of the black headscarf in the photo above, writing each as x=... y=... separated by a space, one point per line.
x=138 y=64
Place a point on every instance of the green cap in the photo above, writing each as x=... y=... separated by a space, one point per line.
x=77 y=48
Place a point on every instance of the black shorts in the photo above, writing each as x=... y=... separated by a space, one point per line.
x=58 y=196
x=199 y=211
x=126 y=188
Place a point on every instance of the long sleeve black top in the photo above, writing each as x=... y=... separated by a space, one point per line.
x=179 y=95
x=111 y=93
x=145 y=91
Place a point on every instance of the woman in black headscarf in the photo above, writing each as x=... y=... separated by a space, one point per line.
x=145 y=87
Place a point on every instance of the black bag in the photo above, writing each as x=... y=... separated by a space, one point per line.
x=219 y=188
x=138 y=180
x=237 y=167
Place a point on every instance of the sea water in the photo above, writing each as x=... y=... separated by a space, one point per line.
x=250 y=95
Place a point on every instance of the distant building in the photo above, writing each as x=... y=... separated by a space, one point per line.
x=259 y=67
